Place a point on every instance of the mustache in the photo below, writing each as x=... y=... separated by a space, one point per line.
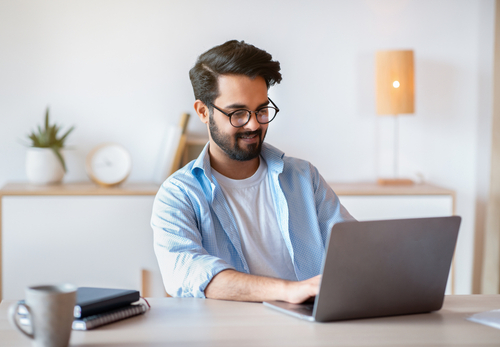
x=257 y=132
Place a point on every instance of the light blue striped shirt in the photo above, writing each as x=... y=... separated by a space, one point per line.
x=196 y=237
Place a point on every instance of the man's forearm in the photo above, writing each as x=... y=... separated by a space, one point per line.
x=234 y=285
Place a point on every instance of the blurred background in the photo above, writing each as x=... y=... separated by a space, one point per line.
x=118 y=71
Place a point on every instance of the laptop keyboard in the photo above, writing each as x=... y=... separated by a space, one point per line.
x=305 y=309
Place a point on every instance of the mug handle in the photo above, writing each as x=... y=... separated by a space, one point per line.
x=13 y=320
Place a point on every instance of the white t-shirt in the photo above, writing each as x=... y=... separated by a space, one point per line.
x=252 y=206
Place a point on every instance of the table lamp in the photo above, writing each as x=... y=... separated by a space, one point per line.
x=395 y=95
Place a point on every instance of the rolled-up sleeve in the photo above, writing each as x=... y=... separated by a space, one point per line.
x=186 y=267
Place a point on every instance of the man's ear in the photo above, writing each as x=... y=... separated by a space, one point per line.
x=202 y=111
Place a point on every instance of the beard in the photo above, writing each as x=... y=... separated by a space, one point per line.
x=233 y=150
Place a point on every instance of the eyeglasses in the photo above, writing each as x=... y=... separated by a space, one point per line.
x=241 y=117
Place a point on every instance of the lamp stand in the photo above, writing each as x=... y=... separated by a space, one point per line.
x=395 y=181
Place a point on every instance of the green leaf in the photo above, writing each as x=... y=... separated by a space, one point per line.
x=51 y=133
x=42 y=137
x=63 y=138
x=47 y=118
x=33 y=138
x=56 y=151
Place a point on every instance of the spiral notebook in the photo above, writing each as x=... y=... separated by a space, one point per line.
x=112 y=316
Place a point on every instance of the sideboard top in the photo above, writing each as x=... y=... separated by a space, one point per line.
x=148 y=188
x=78 y=189
x=372 y=188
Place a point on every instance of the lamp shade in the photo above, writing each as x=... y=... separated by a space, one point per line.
x=395 y=91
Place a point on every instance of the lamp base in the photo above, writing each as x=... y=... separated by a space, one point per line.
x=395 y=182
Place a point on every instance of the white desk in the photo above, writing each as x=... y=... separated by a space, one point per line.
x=198 y=322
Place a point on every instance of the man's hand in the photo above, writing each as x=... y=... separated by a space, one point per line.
x=234 y=285
x=298 y=292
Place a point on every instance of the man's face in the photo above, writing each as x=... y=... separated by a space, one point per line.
x=239 y=92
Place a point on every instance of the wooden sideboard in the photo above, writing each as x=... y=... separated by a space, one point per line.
x=95 y=236
x=76 y=232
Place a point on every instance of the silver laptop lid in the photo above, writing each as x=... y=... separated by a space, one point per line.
x=388 y=267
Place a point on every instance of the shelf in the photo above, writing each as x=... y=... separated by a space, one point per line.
x=78 y=189
x=372 y=188
x=145 y=188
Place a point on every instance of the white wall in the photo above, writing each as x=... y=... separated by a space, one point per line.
x=118 y=70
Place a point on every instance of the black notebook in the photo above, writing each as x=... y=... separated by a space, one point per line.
x=91 y=301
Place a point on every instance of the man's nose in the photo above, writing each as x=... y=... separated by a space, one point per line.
x=252 y=124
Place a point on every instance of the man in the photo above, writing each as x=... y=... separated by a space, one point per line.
x=243 y=221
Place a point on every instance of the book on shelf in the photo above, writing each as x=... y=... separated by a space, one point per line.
x=118 y=314
x=91 y=300
x=174 y=143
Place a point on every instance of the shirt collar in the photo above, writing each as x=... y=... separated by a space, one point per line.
x=272 y=155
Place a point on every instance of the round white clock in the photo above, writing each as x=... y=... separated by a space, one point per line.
x=108 y=164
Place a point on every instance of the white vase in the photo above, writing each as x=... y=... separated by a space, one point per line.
x=43 y=166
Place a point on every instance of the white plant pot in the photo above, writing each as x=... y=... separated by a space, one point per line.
x=43 y=166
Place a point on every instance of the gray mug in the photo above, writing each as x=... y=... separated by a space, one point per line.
x=50 y=309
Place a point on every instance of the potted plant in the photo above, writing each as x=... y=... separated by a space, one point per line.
x=44 y=159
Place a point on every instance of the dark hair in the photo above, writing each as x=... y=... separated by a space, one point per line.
x=231 y=58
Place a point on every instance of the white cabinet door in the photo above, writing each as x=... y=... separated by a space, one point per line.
x=375 y=207
x=101 y=241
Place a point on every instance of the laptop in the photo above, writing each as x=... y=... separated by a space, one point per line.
x=382 y=268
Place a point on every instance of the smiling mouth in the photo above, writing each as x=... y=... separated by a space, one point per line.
x=249 y=135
